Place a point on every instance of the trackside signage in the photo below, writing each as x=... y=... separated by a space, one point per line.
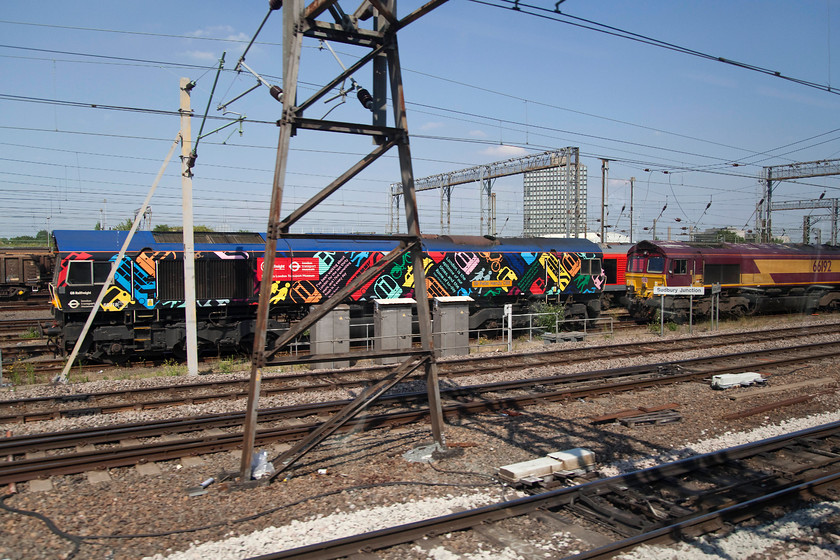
x=678 y=290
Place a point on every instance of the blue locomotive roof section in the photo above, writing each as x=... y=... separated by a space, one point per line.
x=510 y=244
x=112 y=240
x=445 y=243
x=316 y=245
x=68 y=241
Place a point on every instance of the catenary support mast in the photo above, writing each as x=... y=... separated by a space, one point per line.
x=299 y=22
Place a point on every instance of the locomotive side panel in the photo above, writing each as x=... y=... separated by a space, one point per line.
x=481 y=275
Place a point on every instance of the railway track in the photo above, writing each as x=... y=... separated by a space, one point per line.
x=41 y=408
x=33 y=303
x=58 y=453
x=25 y=348
x=14 y=328
x=663 y=503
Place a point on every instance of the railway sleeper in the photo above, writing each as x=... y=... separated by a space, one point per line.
x=649 y=512
x=658 y=508
x=601 y=509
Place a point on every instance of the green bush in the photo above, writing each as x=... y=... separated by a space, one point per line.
x=550 y=314
x=30 y=333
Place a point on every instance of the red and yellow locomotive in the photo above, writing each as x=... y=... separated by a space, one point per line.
x=753 y=278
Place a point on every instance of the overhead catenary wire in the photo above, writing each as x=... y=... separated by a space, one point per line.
x=162 y=112
x=262 y=80
x=723 y=161
x=632 y=160
x=556 y=15
x=673 y=166
x=125 y=32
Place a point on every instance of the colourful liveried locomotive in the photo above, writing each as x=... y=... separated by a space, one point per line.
x=753 y=278
x=143 y=310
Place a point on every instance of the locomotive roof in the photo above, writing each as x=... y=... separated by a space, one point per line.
x=112 y=240
x=686 y=248
x=509 y=244
x=615 y=248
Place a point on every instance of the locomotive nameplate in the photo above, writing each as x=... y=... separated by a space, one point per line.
x=678 y=290
x=492 y=283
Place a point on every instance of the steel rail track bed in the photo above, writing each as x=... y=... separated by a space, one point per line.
x=43 y=408
x=662 y=503
x=582 y=385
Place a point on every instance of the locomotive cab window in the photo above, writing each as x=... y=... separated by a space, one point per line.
x=679 y=266
x=656 y=264
x=85 y=273
x=592 y=267
x=80 y=272
x=101 y=270
x=636 y=264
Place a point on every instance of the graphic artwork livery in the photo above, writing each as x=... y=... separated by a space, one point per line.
x=143 y=311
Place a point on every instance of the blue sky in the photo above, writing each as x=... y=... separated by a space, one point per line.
x=482 y=83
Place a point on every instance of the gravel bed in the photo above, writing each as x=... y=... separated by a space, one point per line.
x=358 y=481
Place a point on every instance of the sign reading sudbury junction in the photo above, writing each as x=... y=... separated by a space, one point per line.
x=678 y=290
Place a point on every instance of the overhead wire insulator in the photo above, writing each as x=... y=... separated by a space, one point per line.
x=365 y=98
x=277 y=93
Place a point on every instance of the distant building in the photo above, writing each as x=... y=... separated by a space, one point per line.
x=550 y=204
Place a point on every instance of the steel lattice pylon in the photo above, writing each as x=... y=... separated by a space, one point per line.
x=299 y=22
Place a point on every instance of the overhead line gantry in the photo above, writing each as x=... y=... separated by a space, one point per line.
x=778 y=173
x=485 y=175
